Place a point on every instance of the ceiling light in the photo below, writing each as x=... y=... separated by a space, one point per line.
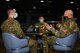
x=7 y=0
x=41 y=1
x=72 y=2
x=77 y=8
x=48 y=11
x=34 y=7
x=30 y=11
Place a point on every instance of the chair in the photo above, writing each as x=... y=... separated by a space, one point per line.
x=65 y=44
x=14 y=44
x=79 y=35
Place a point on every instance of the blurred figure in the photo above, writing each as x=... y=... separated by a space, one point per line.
x=66 y=27
x=33 y=44
x=41 y=25
x=42 y=29
x=11 y=25
x=70 y=20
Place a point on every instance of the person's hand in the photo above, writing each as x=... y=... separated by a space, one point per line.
x=58 y=25
x=48 y=27
x=65 y=30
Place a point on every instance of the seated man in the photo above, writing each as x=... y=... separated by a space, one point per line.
x=66 y=27
x=41 y=28
x=11 y=25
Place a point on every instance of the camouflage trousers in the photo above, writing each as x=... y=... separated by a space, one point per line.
x=46 y=41
x=45 y=45
x=33 y=46
x=51 y=40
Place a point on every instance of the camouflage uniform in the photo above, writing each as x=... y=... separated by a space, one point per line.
x=73 y=25
x=69 y=26
x=33 y=45
x=42 y=29
x=14 y=28
x=45 y=38
x=79 y=32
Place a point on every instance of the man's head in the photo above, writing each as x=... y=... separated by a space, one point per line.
x=68 y=13
x=41 y=19
x=12 y=13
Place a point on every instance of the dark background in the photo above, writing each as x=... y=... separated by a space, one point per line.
x=29 y=10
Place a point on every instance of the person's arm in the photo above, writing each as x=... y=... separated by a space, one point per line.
x=4 y=27
x=51 y=28
x=18 y=29
x=62 y=32
x=73 y=26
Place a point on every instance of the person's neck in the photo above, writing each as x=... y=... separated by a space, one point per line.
x=41 y=22
x=11 y=20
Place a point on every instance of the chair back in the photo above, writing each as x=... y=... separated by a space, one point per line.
x=69 y=40
x=67 y=43
x=13 y=42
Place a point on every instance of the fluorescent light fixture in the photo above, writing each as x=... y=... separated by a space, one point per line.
x=41 y=1
x=7 y=0
x=71 y=2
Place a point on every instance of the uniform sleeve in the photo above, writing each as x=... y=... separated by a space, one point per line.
x=46 y=24
x=62 y=32
x=3 y=26
x=18 y=30
x=73 y=26
x=57 y=33
x=53 y=30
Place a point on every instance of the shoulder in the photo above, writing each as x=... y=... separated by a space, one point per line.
x=16 y=21
x=6 y=21
x=45 y=23
x=70 y=20
x=4 y=24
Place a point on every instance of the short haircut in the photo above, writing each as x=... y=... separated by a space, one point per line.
x=11 y=8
